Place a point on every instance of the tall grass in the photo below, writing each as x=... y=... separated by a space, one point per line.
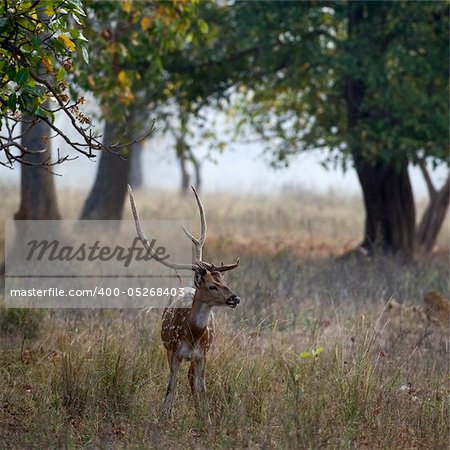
x=262 y=394
x=306 y=361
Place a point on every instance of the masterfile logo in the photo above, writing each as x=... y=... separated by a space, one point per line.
x=104 y=261
x=55 y=251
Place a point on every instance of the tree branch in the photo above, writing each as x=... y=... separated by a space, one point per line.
x=426 y=175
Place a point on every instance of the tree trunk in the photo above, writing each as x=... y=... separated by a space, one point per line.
x=389 y=205
x=37 y=188
x=107 y=196
x=432 y=219
x=197 y=172
x=136 y=177
x=185 y=177
x=386 y=187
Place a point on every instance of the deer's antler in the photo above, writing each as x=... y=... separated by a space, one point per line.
x=212 y=268
x=201 y=240
x=146 y=242
x=197 y=242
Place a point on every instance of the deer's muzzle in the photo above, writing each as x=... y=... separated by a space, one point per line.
x=233 y=301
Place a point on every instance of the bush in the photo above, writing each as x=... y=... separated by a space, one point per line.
x=20 y=321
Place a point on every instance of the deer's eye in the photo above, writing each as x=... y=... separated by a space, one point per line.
x=213 y=288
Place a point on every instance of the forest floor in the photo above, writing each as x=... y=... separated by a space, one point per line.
x=313 y=357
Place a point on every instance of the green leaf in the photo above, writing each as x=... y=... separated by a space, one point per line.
x=28 y=103
x=202 y=26
x=77 y=20
x=4 y=22
x=77 y=34
x=11 y=72
x=35 y=42
x=12 y=99
x=43 y=113
x=22 y=77
x=61 y=73
x=80 y=12
x=33 y=90
x=317 y=351
x=82 y=37
x=85 y=54
x=76 y=6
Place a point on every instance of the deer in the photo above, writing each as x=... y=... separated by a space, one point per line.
x=188 y=322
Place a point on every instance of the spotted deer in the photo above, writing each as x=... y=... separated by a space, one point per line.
x=188 y=322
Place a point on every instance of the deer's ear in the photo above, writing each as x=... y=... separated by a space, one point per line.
x=197 y=278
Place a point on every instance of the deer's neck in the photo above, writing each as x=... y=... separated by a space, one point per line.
x=199 y=316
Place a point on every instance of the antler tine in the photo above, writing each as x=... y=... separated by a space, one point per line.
x=201 y=240
x=146 y=243
x=223 y=268
x=189 y=235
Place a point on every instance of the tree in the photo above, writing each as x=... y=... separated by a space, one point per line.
x=40 y=43
x=37 y=189
x=136 y=176
x=434 y=215
x=394 y=110
x=128 y=78
x=111 y=167
x=366 y=80
x=180 y=133
x=37 y=44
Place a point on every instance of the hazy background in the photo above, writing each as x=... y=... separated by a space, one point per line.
x=240 y=168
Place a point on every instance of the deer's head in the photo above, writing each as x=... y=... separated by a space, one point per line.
x=210 y=284
x=208 y=278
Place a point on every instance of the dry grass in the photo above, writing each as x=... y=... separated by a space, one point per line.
x=95 y=379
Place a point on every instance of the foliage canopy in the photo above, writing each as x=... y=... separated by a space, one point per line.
x=39 y=46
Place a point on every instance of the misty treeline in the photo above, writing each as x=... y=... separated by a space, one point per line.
x=365 y=81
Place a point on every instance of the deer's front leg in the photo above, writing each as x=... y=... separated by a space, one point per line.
x=197 y=381
x=200 y=378
x=192 y=382
x=174 y=362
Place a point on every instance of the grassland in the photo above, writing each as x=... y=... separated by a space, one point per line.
x=309 y=359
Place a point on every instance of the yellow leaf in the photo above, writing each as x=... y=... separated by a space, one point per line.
x=127 y=6
x=145 y=23
x=126 y=97
x=67 y=42
x=22 y=6
x=48 y=63
x=49 y=10
x=123 y=78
